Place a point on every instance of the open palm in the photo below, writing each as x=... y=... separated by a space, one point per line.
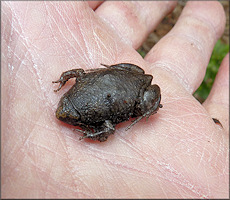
x=178 y=153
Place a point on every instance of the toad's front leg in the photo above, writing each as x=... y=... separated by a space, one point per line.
x=101 y=134
x=65 y=76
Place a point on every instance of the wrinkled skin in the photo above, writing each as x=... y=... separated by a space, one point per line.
x=178 y=153
x=104 y=97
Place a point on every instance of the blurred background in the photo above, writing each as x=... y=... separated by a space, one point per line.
x=219 y=52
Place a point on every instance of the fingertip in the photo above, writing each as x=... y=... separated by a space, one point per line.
x=222 y=77
x=224 y=73
x=134 y=20
x=217 y=103
x=206 y=10
x=186 y=50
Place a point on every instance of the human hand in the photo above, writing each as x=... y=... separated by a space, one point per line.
x=178 y=153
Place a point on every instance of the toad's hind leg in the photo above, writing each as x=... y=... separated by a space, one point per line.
x=65 y=76
x=127 y=67
x=101 y=134
x=147 y=114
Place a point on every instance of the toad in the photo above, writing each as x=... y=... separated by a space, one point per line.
x=101 y=98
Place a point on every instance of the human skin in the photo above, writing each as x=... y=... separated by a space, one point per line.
x=178 y=153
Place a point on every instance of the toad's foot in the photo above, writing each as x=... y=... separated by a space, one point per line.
x=65 y=76
x=102 y=134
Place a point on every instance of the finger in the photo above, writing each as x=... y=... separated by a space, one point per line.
x=185 y=51
x=217 y=103
x=94 y=4
x=134 y=20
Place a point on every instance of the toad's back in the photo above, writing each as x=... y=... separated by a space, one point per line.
x=107 y=94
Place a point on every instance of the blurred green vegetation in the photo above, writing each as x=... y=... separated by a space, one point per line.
x=219 y=52
x=141 y=52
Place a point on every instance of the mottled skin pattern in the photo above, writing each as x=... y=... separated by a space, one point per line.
x=104 y=97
